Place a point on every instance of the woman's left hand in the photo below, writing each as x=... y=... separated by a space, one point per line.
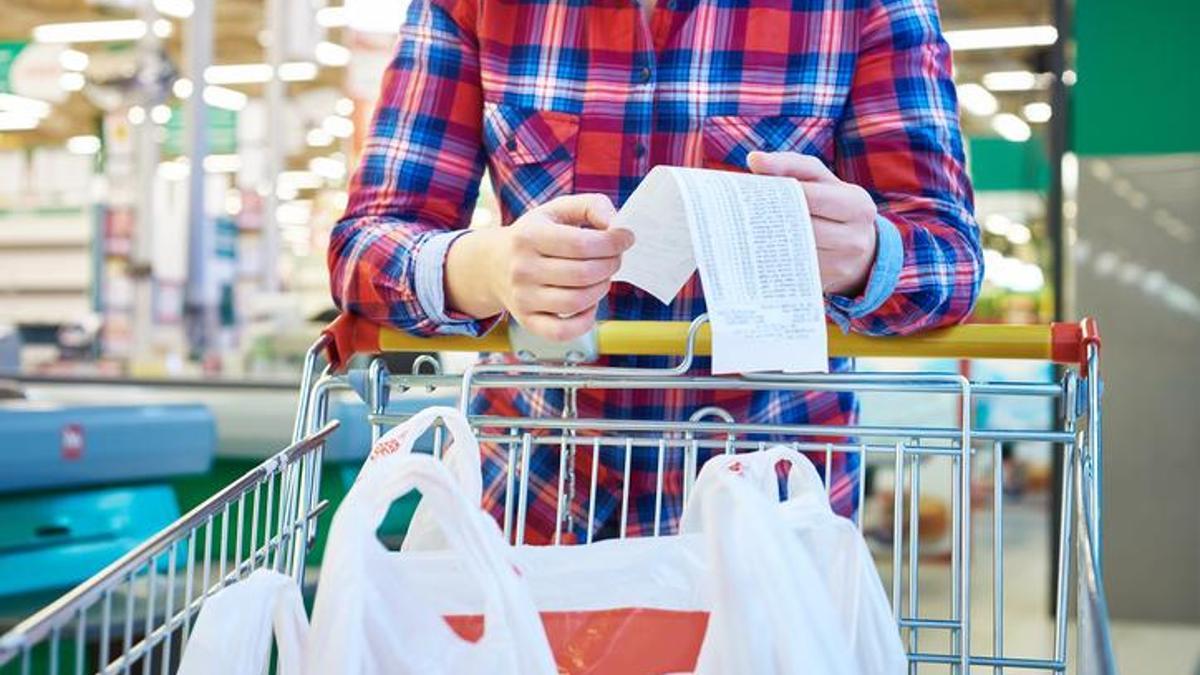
x=843 y=217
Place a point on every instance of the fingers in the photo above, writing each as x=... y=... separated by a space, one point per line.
x=592 y=210
x=558 y=328
x=841 y=202
x=551 y=238
x=560 y=301
x=568 y=273
x=793 y=164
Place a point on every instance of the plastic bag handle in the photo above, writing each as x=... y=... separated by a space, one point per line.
x=473 y=536
x=758 y=470
x=462 y=457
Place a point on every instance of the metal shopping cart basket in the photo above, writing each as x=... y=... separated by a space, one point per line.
x=134 y=616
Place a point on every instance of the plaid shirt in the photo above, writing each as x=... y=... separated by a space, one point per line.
x=561 y=96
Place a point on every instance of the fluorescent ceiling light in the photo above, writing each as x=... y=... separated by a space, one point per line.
x=373 y=16
x=73 y=59
x=18 y=121
x=318 y=138
x=1019 y=233
x=299 y=71
x=242 y=73
x=90 y=31
x=160 y=114
x=338 y=127
x=227 y=99
x=259 y=73
x=1011 y=128
x=1001 y=38
x=294 y=212
x=1014 y=80
x=71 y=81
x=222 y=164
x=136 y=115
x=24 y=105
x=332 y=17
x=331 y=54
x=1038 y=112
x=344 y=107
x=180 y=9
x=83 y=145
x=328 y=168
x=182 y=88
x=300 y=180
x=977 y=100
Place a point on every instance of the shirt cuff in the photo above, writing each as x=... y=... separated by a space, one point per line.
x=885 y=274
x=430 y=268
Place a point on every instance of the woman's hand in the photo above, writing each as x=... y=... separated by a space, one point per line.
x=549 y=269
x=843 y=217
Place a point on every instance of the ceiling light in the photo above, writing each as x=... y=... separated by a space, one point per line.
x=24 y=105
x=242 y=73
x=328 y=168
x=182 y=88
x=1013 y=80
x=227 y=99
x=174 y=170
x=136 y=115
x=1001 y=38
x=997 y=224
x=73 y=59
x=331 y=17
x=71 y=81
x=286 y=192
x=301 y=180
x=338 y=127
x=344 y=107
x=180 y=9
x=222 y=164
x=331 y=54
x=162 y=28
x=160 y=114
x=1069 y=78
x=90 y=31
x=259 y=73
x=83 y=145
x=1038 y=112
x=318 y=138
x=18 y=121
x=1011 y=128
x=294 y=212
x=299 y=71
x=373 y=16
x=977 y=100
x=1018 y=234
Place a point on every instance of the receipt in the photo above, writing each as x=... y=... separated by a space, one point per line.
x=752 y=239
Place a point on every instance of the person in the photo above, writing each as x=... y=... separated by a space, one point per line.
x=567 y=105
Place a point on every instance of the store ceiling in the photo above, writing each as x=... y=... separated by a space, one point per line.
x=240 y=22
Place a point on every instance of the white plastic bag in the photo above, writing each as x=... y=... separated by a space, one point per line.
x=842 y=559
x=232 y=635
x=771 y=612
x=371 y=618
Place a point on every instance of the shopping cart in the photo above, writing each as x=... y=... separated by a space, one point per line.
x=135 y=615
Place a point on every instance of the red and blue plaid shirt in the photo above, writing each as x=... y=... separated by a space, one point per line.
x=561 y=96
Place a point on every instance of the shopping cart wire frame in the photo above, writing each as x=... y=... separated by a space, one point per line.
x=137 y=620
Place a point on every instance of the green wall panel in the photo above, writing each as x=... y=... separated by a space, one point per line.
x=1139 y=77
x=997 y=164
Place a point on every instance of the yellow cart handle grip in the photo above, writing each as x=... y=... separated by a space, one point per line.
x=1064 y=343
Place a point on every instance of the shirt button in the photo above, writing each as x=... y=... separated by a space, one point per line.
x=644 y=75
x=511 y=145
x=639 y=150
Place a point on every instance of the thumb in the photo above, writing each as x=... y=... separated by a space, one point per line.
x=791 y=164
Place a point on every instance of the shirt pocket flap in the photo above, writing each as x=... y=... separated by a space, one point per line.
x=729 y=138
x=524 y=136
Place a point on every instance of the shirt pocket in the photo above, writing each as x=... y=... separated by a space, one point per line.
x=728 y=139
x=531 y=154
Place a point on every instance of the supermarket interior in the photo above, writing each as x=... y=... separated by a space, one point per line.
x=171 y=172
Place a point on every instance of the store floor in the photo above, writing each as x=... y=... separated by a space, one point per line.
x=1141 y=648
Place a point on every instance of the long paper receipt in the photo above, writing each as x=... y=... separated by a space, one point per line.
x=752 y=238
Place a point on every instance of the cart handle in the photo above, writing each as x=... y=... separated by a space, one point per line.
x=1063 y=343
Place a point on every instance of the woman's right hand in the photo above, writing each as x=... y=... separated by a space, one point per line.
x=549 y=269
